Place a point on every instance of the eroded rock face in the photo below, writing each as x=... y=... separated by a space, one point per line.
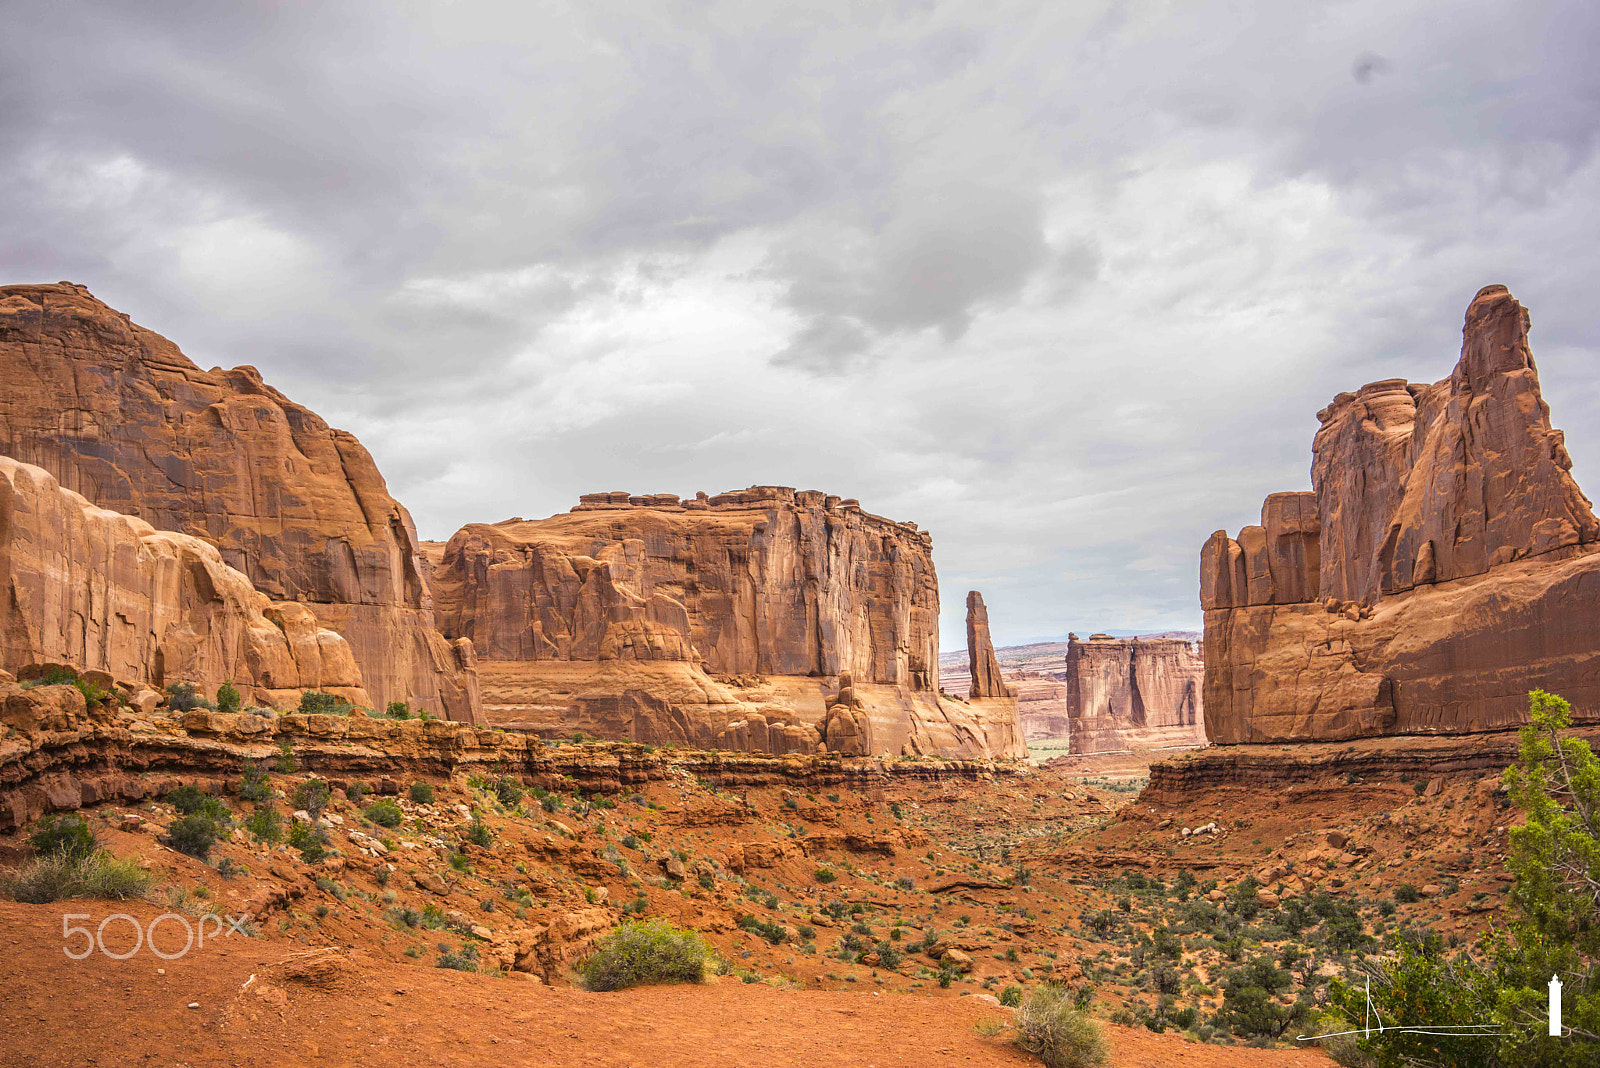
x=720 y=620
x=1442 y=567
x=1125 y=693
x=106 y=592
x=981 y=662
x=118 y=414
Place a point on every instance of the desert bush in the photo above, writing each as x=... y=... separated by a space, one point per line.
x=1011 y=996
x=772 y=932
x=253 y=784
x=889 y=954
x=643 y=952
x=286 y=763
x=1407 y=894
x=508 y=791
x=67 y=836
x=315 y=702
x=193 y=801
x=265 y=824
x=825 y=875
x=479 y=832
x=398 y=710
x=312 y=796
x=58 y=876
x=227 y=698
x=384 y=813
x=193 y=834
x=421 y=793
x=464 y=961
x=309 y=841
x=185 y=697
x=1051 y=1027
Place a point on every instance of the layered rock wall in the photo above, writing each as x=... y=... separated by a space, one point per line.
x=106 y=592
x=1127 y=693
x=1443 y=565
x=119 y=415
x=727 y=620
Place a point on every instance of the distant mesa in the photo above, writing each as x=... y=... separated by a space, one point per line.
x=1442 y=566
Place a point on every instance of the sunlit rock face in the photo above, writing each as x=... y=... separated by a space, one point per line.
x=1443 y=565
x=119 y=415
x=731 y=617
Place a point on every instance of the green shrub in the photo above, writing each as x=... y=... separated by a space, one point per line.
x=508 y=791
x=1051 y=1027
x=193 y=834
x=421 y=793
x=398 y=710
x=315 y=702
x=479 y=833
x=312 y=796
x=356 y=791
x=643 y=952
x=253 y=784
x=192 y=801
x=889 y=954
x=1011 y=996
x=265 y=824
x=309 y=841
x=67 y=836
x=286 y=763
x=62 y=875
x=185 y=697
x=1407 y=894
x=825 y=875
x=227 y=698
x=772 y=932
x=464 y=961
x=385 y=814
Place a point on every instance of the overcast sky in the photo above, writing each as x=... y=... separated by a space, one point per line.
x=1063 y=282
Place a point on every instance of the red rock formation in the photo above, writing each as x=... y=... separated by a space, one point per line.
x=103 y=591
x=1441 y=568
x=118 y=414
x=712 y=621
x=981 y=662
x=1127 y=693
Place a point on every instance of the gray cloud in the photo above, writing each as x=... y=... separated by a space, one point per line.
x=1064 y=283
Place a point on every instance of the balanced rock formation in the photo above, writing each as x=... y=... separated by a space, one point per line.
x=726 y=620
x=1443 y=565
x=106 y=592
x=981 y=662
x=119 y=415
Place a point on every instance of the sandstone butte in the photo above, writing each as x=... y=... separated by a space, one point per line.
x=1443 y=565
x=117 y=414
x=106 y=592
x=1104 y=694
x=762 y=620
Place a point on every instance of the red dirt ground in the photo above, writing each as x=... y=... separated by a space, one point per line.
x=373 y=1012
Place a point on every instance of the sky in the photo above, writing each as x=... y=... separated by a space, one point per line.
x=1065 y=283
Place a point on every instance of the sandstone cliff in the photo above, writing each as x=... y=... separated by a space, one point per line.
x=981 y=662
x=103 y=591
x=1125 y=693
x=1443 y=565
x=118 y=414
x=729 y=620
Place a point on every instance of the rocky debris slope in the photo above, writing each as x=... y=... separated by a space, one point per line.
x=60 y=752
x=1443 y=565
x=720 y=621
x=981 y=662
x=119 y=415
x=147 y=608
